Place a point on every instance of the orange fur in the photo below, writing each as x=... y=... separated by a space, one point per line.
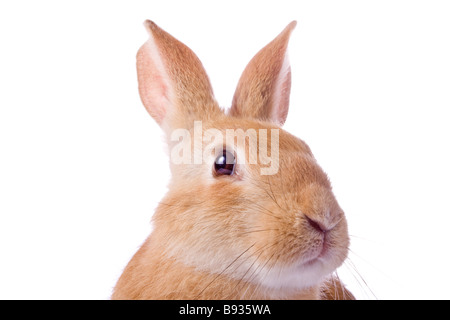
x=256 y=88
x=245 y=236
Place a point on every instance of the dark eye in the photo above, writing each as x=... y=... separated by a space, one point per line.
x=225 y=163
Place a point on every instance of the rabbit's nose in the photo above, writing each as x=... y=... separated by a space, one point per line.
x=316 y=225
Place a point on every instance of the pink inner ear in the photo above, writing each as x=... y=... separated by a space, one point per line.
x=280 y=100
x=155 y=88
x=161 y=102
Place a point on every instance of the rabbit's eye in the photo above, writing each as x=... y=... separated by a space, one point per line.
x=225 y=163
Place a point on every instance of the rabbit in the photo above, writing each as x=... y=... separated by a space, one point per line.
x=225 y=230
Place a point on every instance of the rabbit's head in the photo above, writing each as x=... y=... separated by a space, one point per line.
x=246 y=199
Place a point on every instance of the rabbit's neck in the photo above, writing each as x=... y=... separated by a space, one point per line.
x=151 y=274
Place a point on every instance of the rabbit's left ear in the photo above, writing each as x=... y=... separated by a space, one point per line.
x=265 y=85
x=173 y=84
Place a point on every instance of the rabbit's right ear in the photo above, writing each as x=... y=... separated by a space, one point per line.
x=264 y=87
x=173 y=84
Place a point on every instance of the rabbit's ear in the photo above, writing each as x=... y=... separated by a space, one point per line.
x=173 y=84
x=264 y=87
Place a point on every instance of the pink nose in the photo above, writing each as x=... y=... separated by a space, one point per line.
x=316 y=225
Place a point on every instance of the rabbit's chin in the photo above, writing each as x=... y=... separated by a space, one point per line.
x=296 y=277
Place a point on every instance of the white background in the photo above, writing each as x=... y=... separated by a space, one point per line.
x=82 y=165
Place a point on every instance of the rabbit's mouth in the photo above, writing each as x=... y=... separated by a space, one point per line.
x=323 y=247
x=320 y=252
